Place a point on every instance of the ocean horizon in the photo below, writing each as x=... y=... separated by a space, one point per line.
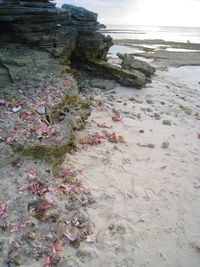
x=166 y=33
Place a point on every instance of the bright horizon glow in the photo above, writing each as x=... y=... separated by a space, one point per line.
x=143 y=12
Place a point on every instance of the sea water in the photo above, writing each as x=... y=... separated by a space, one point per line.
x=190 y=75
x=167 y=33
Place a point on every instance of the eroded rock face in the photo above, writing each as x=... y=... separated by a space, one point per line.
x=35 y=36
x=90 y=44
x=38 y=41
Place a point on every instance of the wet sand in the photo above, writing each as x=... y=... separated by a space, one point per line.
x=148 y=202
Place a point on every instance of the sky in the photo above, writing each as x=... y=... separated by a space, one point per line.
x=143 y=12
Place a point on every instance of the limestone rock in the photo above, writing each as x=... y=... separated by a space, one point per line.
x=130 y=63
x=125 y=77
x=38 y=36
x=80 y=13
x=102 y=84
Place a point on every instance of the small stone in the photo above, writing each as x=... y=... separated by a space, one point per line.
x=31 y=176
x=187 y=110
x=196 y=245
x=149 y=110
x=2 y=102
x=167 y=122
x=41 y=110
x=157 y=116
x=149 y=101
x=16 y=109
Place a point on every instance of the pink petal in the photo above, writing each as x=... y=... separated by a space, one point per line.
x=47 y=262
x=71 y=236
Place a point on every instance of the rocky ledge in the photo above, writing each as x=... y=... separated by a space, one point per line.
x=42 y=49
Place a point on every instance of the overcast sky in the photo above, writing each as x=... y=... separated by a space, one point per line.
x=143 y=12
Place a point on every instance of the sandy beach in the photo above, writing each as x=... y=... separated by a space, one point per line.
x=94 y=173
x=147 y=189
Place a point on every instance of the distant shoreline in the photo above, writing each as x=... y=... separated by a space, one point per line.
x=161 y=56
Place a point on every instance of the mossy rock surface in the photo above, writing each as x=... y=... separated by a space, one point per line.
x=48 y=136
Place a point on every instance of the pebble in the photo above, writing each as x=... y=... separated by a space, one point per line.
x=167 y=122
x=157 y=116
x=16 y=109
x=41 y=110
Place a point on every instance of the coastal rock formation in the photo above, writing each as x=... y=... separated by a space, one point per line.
x=130 y=78
x=35 y=36
x=102 y=84
x=37 y=44
x=130 y=63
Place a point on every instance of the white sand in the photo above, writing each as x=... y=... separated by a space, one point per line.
x=148 y=200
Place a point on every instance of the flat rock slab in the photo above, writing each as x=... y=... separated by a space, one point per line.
x=102 y=84
x=133 y=78
x=130 y=63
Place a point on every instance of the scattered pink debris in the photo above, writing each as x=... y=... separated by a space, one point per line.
x=71 y=236
x=95 y=139
x=10 y=140
x=58 y=245
x=100 y=105
x=3 y=209
x=78 y=182
x=116 y=139
x=52 y=132
x=117 y=117
x=43 y=206
x=113 y=138
x=46 y=131
x=47 y=262
x=66 y=188
x=59 y=139
x=37 y=188
x=24 y=224
x=66 y=172
x=25 y=114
